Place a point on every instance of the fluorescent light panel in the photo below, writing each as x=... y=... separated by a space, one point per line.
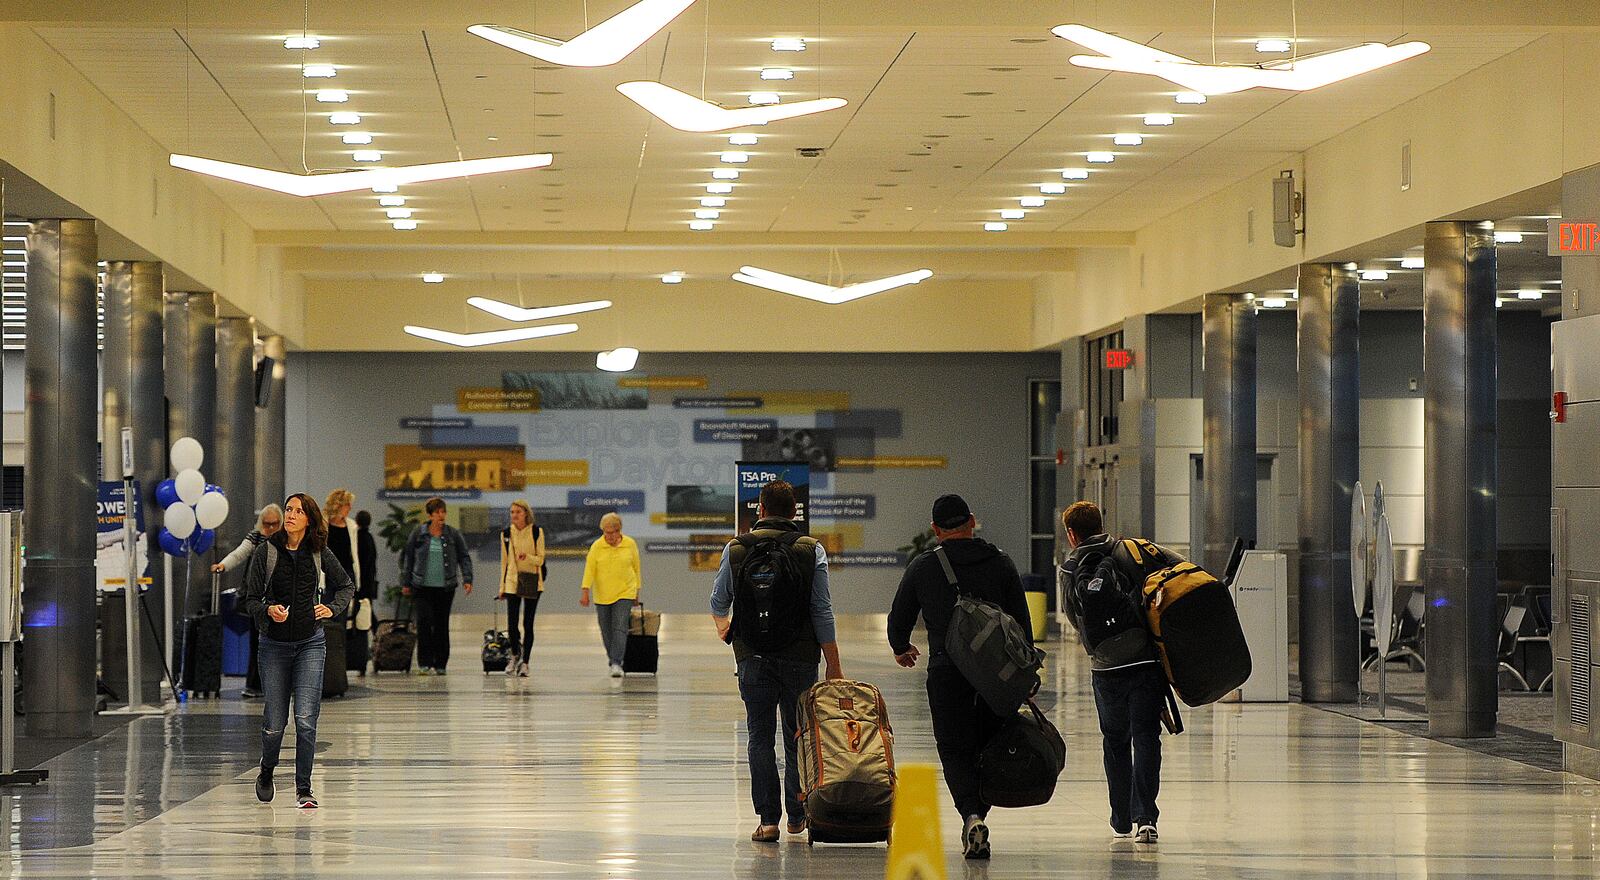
x=735 y=157
x=707 y=214
x=1411 y=263
x=367 y=156
x=713 y=202
x=1031 y=201
x=776 y=73
x=405 y=225
x=742 y=139
x=1012 y=214
x=1127 y=139
x=356 y=138
x=492 y=337
x=725 y=174
x=392 y=201
x=517 y=313
x=1272 y=46
x=332 y=96
x=1189 y=98
x=1374 y=275
x=432 y=278
x=1100 y=157
x=1075 y=174
x=1053 y=189
x=789 y=44
x=762 y=99
x=318 y=71
x=701 y=225
x=302 y=42
x=719 y=189
x=1158 y=119
x=344 y=117
x=993 y=226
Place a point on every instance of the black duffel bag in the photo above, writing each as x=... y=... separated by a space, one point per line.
x=1020 y=765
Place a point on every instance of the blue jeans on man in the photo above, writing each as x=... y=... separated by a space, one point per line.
x=770 y=686
x=292 y=668
x=1130 y=702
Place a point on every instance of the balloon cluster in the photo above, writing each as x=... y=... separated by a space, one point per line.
x=191 y=508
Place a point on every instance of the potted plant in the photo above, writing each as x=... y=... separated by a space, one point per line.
x=395 y=528
x=919 y=545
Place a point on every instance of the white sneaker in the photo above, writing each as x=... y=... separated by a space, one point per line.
x=1146 y=834
x=616 y=670
x=975 y=839
x=1121 y=835
x=511 y=669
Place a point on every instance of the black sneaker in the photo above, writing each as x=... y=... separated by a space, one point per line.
x=1146 y=834
x=250 y=694
x=264 y=787
x=975 y=839
x=306 y=801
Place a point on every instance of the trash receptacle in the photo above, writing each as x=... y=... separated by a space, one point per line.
x=1038 y=614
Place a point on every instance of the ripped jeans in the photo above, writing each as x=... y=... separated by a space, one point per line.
x=296 y=667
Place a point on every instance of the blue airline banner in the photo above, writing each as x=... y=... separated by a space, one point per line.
x=752 y=475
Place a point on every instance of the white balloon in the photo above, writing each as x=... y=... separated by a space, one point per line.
x=179 y=520
x=187 y=455
x=191 y=484
x=211 y=510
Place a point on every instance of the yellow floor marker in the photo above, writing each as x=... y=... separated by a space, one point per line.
x=915 y=852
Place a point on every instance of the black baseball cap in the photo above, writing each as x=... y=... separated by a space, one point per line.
x=950 y=511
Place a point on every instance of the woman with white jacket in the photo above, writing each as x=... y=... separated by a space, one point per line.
x=521 y=581
x=267 y=524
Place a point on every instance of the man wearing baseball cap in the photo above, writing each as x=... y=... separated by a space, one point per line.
x=962 y=722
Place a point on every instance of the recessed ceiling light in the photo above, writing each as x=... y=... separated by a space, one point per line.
x=492 y=138
x=1158 y=119
x=1053 y=189
x=405 y=224
x=1189 y=98
x=1411 y=263
x=432 y=278
x=344 y=117
x=301 y=42
x=771 y=73
x=1012 y=214
x=1273 y=302
x=1374 y=275
x=788 y=44
x=1032 y=201
x=701 y=225
x=1099 y=157
x=357 y=137
x=1127 y=139
x=398 y=213
x=719 y=189
x=725 y=174
x=1074 y=174
x=994 y=227
x=1530 y=294
x=367 y=156
x=617 y=360
x=392 y=201
x=1272 y=45
x=735 y=157
x=385 y=188
x=1508 y=237
x=672 y=278
x=318 y=71
x=707 y=214
x=763 y=98
x=332 y=96
x=742 y=139
x=713 y=202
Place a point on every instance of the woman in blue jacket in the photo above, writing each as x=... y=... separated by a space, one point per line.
x=433 y=563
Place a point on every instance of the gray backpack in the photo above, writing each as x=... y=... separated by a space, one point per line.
x=991 y=649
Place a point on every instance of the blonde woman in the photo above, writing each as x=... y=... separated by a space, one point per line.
x=521 y=581
x=611 y=578
x=345 y=544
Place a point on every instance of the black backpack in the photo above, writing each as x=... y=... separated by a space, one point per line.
x=771 y=590
x=1110 y=617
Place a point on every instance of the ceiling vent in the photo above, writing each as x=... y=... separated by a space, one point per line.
x=809 y=152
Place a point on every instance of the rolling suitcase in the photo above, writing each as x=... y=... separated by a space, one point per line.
x=1197 y=633
x=496 y=646
x=202 y=648
x=642 y=653
x=335 y=678
x=394 y=643
x=846 y=757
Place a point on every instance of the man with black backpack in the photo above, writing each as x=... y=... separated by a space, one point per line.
x=774 y=582
x=1103 y=583
x=963 y=722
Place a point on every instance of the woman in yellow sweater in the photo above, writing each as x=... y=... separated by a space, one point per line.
x=611 y=578
x=521 y=581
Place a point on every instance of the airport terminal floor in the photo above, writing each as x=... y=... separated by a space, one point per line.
x=568 y=773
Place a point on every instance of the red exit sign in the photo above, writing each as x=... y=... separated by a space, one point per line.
x=1572 y=238
x=1118 y=358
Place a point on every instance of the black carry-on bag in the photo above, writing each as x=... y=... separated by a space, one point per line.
x=394 y=642
x=496 y=646
x=1020 y=765
x=202 y=648
x=642 y=653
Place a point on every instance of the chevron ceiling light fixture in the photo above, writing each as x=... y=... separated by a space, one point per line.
x=604 y=44
x=685 y=112
x=517 y=313
x=1293 y=74
x=307 y=185
x=489 y=337
x=826 y=293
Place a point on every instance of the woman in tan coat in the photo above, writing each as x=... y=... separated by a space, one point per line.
x=521 y=581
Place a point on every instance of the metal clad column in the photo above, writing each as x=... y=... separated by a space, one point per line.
x=200 y=312
x=1230 y=425
x=1459 y=554
x=132 y=396
x=1330 y=436
x=235 y=462
x=270 y=428
x=59 y=491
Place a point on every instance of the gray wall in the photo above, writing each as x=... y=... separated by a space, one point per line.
x=343 y=408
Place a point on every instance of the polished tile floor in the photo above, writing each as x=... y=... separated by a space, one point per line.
x=570 y=774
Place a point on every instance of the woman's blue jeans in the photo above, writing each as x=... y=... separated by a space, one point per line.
x=292 y=667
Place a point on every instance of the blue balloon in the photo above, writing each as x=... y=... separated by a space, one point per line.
x=166 y=493
x=202 y=539
x=171 y=544
x=213 y=487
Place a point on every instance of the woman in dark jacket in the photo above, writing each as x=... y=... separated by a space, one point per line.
x=434 y=562
x=283 y=596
